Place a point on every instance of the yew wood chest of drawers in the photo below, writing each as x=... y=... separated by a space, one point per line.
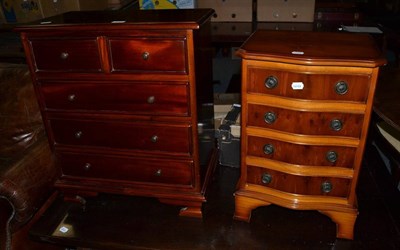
x=306 y=103
x=122 y=95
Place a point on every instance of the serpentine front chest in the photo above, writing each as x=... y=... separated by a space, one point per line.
x=306 y=104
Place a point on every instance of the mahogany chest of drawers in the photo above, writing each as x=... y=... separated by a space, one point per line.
x=122 y=95
x=306 y=103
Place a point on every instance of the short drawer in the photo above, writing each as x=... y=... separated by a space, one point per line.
x=302 y=185
x=154 y=98
x=135 y=169
x=308 y=86
x=301 y=154
x=71 y=55
x=303 y=122
x=167 y=138
x=148 y=55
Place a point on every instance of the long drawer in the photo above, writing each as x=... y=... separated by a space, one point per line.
x=303 y=185
x=153 y=98
x=301 y=154
x=303 y=122
x=312 y=86
x=163 y=171
x=170 y=138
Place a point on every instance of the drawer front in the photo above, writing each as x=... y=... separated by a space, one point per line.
x=307 y=123
x=303 y=185
x=126 y=168
x=308 y=86
x=67 y=55
x=300 y=154
x=148 y=55
x=123 y=135
x=141 y=98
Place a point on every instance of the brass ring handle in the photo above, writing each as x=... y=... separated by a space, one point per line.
x=326 y=187
x=270 y=117
x=64 y=55
x=268 y=149
x=331 y=156
x=266 y=178
x=336 y=125
x=341 y=87
x=271 y=82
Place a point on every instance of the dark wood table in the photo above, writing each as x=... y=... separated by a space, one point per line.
x=387 y=96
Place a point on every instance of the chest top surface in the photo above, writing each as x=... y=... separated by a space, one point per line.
x=313 y=48
x=127 y=19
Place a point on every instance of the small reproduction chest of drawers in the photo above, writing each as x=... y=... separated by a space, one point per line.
x=122 y=95
x=306 y=103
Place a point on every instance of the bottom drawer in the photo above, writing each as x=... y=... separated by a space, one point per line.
x=304 y=185
x=135 y=169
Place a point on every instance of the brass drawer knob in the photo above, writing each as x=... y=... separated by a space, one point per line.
x=336 y=125
x=154 y=138
x=158 y=172
x=64 y=55
x=146 y=55
x=266 y=178
x=268 y=149
x=331 y=156
x=71 y=97
x=270 y=117
x=271 y=82
x=341 y=87
x=78 y=134
x=151 y=99
x=326 y=187
x=87 y=166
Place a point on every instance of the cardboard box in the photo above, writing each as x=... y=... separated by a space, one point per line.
x=21 y=11
x=229 y=10
x=285 y=10
x=167 y=4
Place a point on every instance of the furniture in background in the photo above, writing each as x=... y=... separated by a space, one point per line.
x=125 y=97
x=385 y=125
x=23 y=11
x=27 y=171
x=306 y=104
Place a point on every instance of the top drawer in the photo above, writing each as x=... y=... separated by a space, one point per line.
x=309 y=85
x=67 y=55
x=165 y=55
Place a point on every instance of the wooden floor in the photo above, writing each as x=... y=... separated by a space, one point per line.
x=118 y=222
